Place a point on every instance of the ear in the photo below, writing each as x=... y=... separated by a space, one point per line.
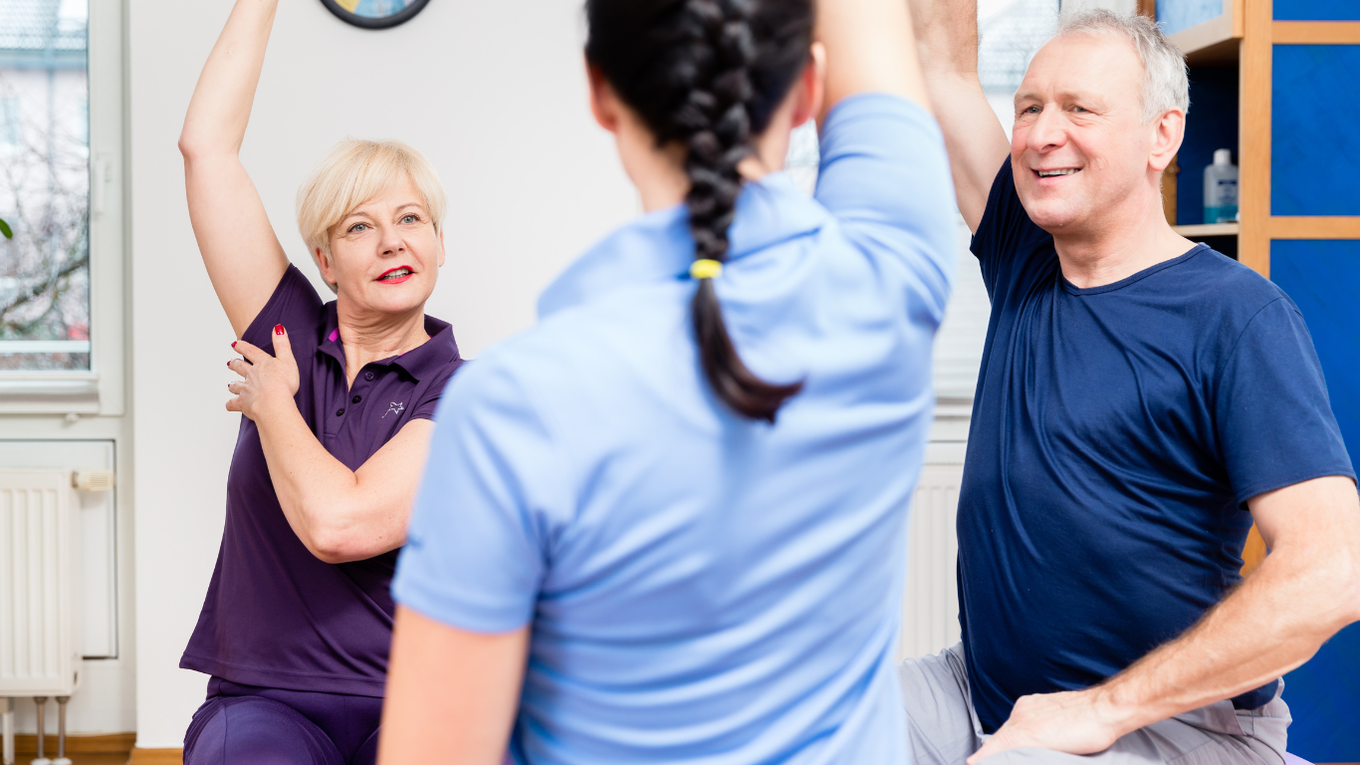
x=441 y=247
x=811 y=86
x=323 y=261
x=1168 y=133
x=603 y=100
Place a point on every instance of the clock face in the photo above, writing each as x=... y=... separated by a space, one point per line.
x=375 y=14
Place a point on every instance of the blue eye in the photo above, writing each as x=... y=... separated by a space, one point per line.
x=410 y=219
x=358 y=227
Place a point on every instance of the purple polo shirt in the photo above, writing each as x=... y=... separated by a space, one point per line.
x=275 y=615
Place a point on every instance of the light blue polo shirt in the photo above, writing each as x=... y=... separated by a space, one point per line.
x=703 y=588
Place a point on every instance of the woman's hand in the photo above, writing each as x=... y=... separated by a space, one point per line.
x=269 y=381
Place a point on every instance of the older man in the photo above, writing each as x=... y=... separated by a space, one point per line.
x=1141 y=400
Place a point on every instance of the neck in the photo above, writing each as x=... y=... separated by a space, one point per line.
x=370 y=337
x=1123 y=243
x=663 y=183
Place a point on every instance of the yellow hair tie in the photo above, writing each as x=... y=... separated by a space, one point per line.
x=705 y=269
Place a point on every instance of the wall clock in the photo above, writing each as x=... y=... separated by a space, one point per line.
x=375 y=14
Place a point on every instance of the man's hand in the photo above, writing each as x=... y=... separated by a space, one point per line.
x=1076 y=722
x=268 y=380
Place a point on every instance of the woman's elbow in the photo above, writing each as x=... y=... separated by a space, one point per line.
x=331 y=545
x=194 y=146
x=190 y=146
x=348 y=545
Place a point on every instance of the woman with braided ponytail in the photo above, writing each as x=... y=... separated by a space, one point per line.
x=665 y=525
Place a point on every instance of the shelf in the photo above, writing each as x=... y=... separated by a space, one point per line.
x=1208 y=229
x=1216 y=42
x=1222 y=53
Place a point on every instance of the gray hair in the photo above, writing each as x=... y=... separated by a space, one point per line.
x=1166 y=80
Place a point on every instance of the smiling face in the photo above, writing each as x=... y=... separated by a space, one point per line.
x=1080 y=149
x=385 y=254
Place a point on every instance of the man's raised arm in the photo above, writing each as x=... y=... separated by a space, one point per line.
x=947 y=38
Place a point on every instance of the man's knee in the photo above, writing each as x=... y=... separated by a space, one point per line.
x=251 y=730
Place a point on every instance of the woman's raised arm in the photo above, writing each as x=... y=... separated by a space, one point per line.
x=244 y=258
x=870 y=47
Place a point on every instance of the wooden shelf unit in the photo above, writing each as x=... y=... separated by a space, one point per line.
x=1216 y=41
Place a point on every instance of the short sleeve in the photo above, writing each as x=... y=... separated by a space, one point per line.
x=478 y=542
x=428 y=404
x=1005 y=234
x=1273 y=419
x=294 y=304
x=884 y=175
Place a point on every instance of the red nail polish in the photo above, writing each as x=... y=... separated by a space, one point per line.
x=278 y=329
x=234 y=344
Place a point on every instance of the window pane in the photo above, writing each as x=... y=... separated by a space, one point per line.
x=44 y=185
x=1012 y=31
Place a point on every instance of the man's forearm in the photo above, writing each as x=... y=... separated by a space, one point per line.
x=946 y=36
x=1307 y=589
x=947 y=42
x=1270 y=625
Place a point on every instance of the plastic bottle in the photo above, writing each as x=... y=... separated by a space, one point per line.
x=1220 y=189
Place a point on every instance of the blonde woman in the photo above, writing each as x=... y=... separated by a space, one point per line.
x=296 y=625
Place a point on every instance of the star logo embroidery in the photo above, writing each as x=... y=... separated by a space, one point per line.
x=396 y=407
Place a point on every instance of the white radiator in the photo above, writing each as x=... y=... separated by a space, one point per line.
x=930 y=608
x=39 y=580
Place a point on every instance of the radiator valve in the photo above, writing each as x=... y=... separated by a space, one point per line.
x=93 y=480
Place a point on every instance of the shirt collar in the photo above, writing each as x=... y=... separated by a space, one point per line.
x=658 y=246
x=427 y=359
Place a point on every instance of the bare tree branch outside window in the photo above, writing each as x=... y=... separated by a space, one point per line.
x=44 y=186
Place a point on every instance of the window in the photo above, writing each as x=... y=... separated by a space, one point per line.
x=45 y=189
x=9 y=124
x=1012 y=31
x=60 y=276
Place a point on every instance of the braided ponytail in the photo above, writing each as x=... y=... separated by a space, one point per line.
x=707 y=74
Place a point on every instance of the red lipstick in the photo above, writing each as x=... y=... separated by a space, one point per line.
x=384 y=278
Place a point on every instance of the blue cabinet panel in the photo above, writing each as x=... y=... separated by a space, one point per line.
x=1315 y=146
x=1323 y=278
x=1175 y=15
x=1315 y=10
x=1323 y=696
x=1211 y=124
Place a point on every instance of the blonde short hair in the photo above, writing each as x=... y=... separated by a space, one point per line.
x=356 y=171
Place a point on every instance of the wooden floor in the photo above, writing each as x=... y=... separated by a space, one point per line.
x=112 y=749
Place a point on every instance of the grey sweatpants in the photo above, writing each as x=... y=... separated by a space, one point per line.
x=945 y=729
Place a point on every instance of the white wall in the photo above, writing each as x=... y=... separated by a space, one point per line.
x=492 y=93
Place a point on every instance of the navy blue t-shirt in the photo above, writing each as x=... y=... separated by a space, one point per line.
x=1117 y=433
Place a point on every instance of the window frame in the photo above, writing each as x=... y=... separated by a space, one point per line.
x=102 y=389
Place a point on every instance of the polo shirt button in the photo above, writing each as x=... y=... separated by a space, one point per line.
x=368 y=375
x=339 y=412
x=356 y=399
